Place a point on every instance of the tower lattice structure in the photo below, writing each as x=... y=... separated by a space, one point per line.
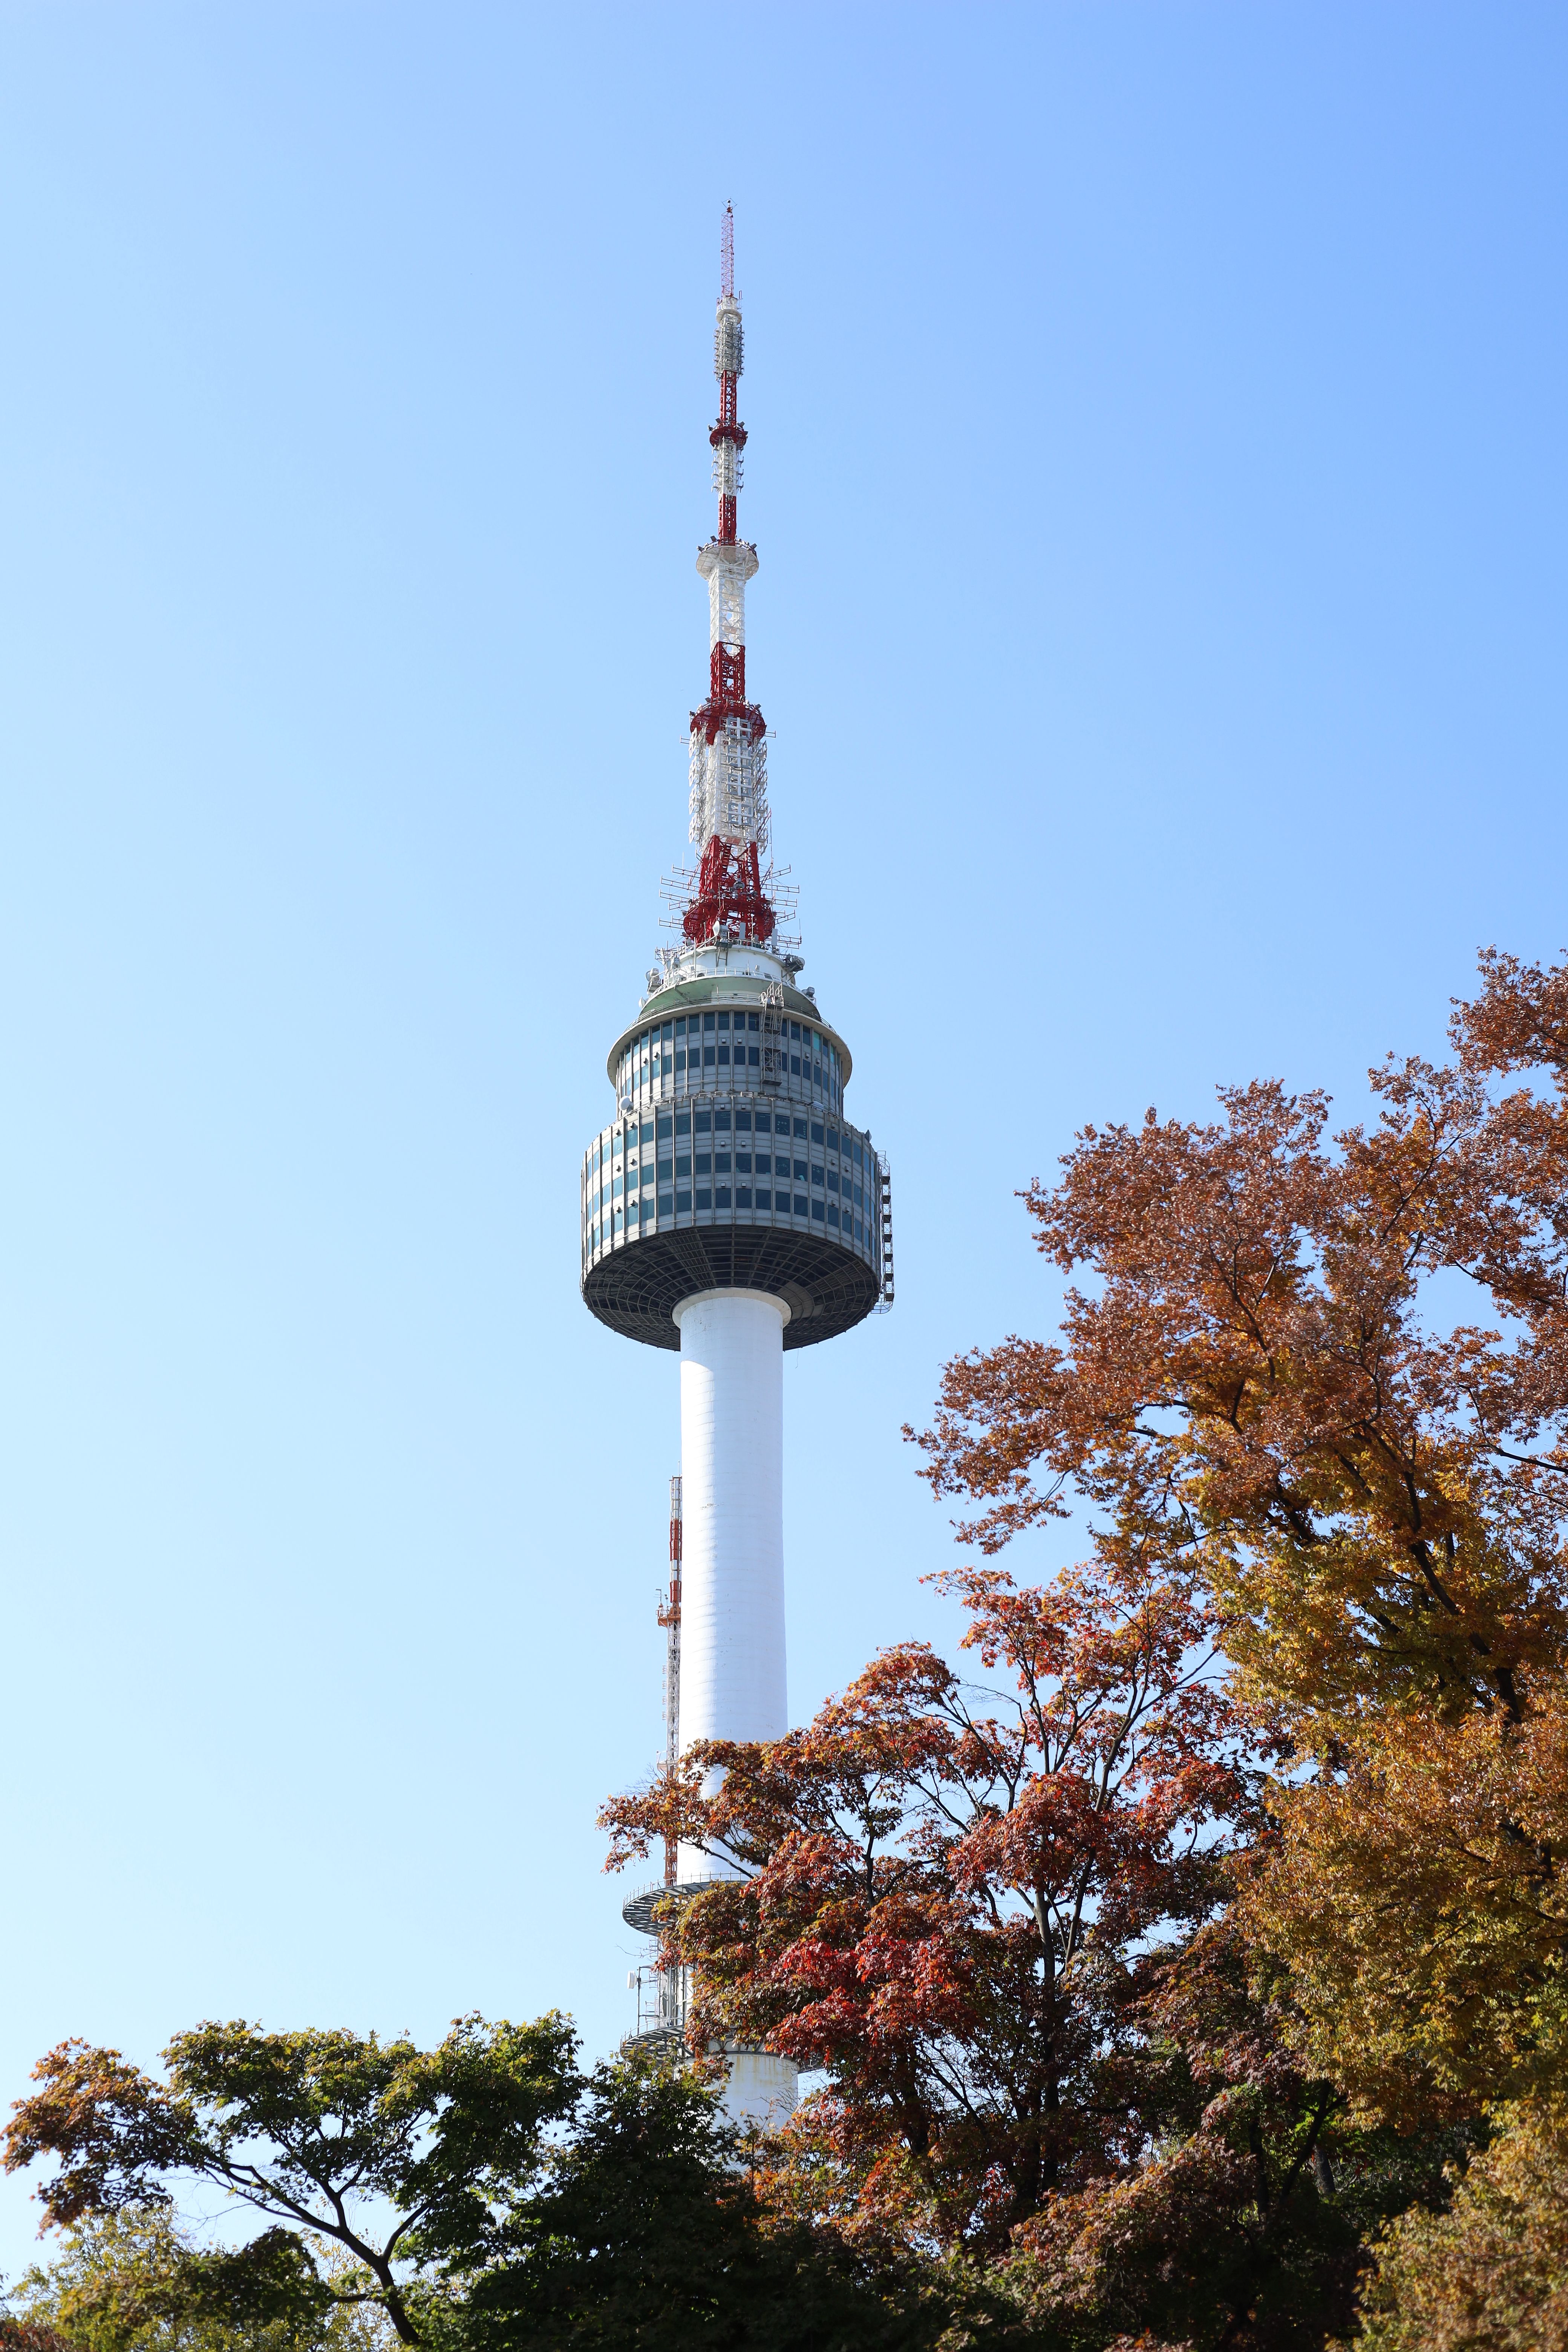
x=729 y=1209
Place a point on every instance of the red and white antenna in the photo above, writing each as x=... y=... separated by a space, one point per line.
x=728 y=735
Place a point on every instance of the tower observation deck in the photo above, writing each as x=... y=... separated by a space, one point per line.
x=729 y=1209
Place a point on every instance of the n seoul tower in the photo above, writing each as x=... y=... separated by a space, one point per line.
x=729 y=1211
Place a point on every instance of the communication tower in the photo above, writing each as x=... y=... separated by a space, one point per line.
x=731 y=1212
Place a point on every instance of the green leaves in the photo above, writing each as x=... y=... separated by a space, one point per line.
x=635 y=2224
x=393 y=2153
x=646 y=2232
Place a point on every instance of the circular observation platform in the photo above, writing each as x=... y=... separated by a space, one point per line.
x=646 y=1910
x=730 y=1165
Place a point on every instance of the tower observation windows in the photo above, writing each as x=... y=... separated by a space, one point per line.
x=701 y=1162
x=671 y=1059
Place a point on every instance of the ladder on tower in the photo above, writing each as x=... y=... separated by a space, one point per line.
x=775 y=1058
x=885 y=1179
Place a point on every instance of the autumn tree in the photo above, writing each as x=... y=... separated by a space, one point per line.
x=1260 y=1356
x=947 y=1897
x=1489 y=2272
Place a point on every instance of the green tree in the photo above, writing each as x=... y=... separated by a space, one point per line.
x=376 y=2148
x=482 y=2197
x=133 y=2281
x=647 y=2230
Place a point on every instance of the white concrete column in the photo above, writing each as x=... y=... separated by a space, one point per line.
x=732 y=1597
x=732 y=1468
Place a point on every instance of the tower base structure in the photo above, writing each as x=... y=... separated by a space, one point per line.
x=762 y=2089
x=759 y=2087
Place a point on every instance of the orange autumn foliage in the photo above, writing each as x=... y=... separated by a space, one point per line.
x=1260 y=1368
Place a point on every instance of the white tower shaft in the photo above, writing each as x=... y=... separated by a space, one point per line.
x=732 y=1467
x=733 y=1589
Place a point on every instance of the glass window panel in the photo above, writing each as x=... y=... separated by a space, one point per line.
x=705 y=1199
x=683 y=1166
x=753 y=1054
x=816 y=1130
x=723 y=1020
x=705 y=1164
x=684 y=1123
x=721 y=1163
x=707 y=1057
x=667 y=1032
x=800 y=1129
x=765 y=1123
x=742 y=1196
x=680 y=1026
x=722 y=1118
x=704 y=1121
x=724 y=1055
x=743 y=1118
x=707 y=1021
x=754 y=1021
x=721 y=1196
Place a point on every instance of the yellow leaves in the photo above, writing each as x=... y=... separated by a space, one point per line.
x=1491 y=2274
x=1421 y=1905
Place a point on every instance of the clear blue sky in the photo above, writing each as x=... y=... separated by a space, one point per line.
x=1157 y=470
